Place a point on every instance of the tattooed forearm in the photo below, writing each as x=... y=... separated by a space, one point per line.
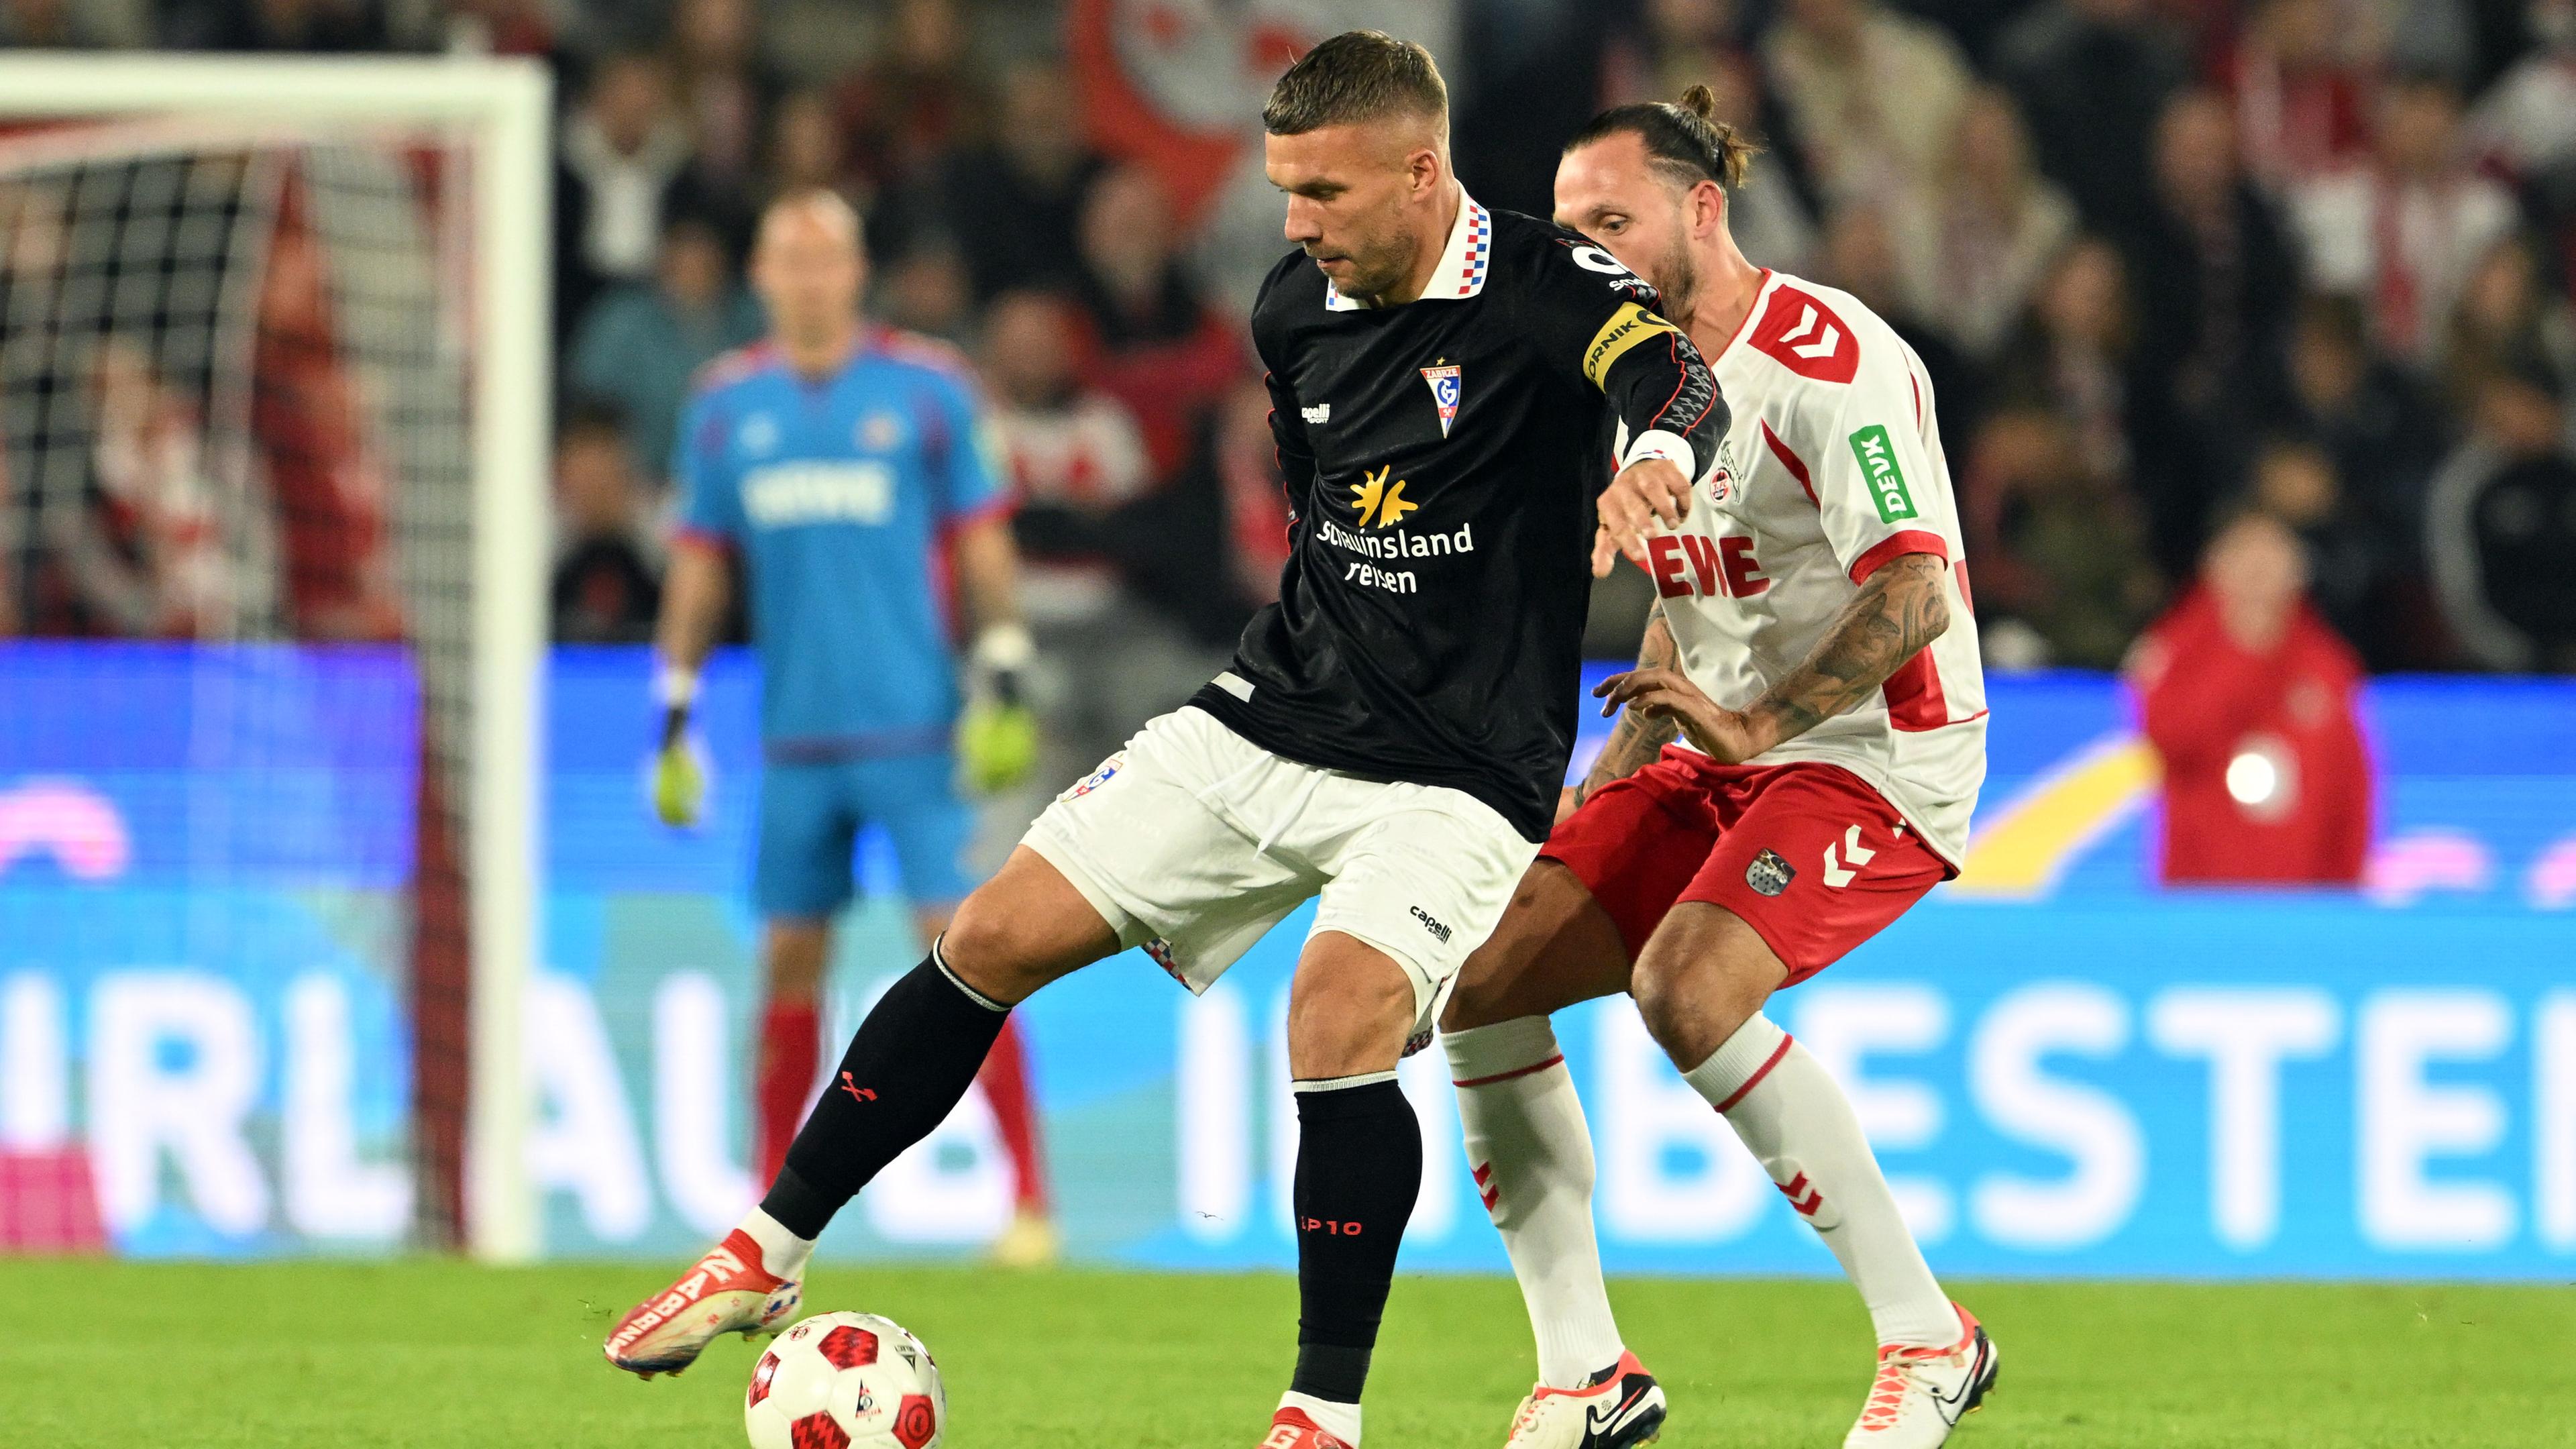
x=1638 y=738
x=1900 y=609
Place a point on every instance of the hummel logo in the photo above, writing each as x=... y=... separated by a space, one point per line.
x=1825 y=341
x=1853 y=851
x=1319 y=413
x=864 y=1094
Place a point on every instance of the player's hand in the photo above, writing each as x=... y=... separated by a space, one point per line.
x=1647 y=492
x=997 y=744
x=1726 y=736
x=679 y=782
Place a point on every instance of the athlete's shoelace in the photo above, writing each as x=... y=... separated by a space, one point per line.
x=1896 y=1373
x=1526 y=1419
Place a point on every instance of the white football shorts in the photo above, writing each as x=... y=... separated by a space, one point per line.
x=1193 y=842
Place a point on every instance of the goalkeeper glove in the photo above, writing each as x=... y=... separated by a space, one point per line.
x=678 y=780
x=997 y=736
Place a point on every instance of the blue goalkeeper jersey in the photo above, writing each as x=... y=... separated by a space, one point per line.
x=839 y=497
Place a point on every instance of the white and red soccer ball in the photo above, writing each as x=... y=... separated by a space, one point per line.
x=845 y=1381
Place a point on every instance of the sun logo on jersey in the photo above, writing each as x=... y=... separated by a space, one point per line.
x=1381 y=504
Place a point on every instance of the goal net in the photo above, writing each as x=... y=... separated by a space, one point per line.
x=272 y=409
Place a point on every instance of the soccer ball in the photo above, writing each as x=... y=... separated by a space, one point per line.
x=845 y=1381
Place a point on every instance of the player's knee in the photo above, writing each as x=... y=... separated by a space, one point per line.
x=1660 y=986
x=1349 y=1012
x=992 y=949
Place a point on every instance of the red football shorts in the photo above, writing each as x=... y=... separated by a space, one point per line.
x=1808 y=854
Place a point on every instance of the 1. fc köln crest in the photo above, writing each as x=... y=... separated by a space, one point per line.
x=1445 y=390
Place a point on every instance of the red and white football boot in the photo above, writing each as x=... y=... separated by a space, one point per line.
x=1921 y=1394
x=727 y=1292
x=1291 y=1429
x=1624 y=1409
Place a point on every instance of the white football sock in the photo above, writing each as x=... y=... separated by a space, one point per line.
x=1793 y=1115
x=781 y=1252
x=1340 y=1420
x=1532 y=1159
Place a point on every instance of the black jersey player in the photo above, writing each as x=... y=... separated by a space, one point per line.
x=1388 y=741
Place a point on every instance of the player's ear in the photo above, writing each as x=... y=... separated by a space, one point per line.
x=1422 y=169
x=1708 y=208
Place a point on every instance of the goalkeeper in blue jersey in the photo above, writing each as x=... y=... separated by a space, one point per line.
x=839 y=470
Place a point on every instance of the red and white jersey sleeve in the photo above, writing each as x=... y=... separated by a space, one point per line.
x=1831 y=467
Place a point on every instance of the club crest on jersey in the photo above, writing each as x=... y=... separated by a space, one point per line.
x=1446 y=388
x=1769 y=874
x=1096 y=778
x=1721 y=478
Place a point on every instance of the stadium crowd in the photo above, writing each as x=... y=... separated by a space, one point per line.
x=2169 y=263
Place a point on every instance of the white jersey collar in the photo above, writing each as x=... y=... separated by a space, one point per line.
x=1461 y=272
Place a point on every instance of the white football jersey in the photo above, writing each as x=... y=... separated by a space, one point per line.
x=1831 y=467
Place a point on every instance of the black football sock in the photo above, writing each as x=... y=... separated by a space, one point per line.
x=1359 y=1166
x=908 y=1064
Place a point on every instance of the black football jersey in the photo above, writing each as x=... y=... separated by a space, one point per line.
x=1442 y=461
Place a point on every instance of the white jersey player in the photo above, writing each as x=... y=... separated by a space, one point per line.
x=1803 y=740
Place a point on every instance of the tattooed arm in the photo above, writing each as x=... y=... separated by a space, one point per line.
x=1899 y=609
x=1638 y=738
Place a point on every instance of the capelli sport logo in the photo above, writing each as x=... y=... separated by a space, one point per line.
x=1381 y=504
x=1432 y=924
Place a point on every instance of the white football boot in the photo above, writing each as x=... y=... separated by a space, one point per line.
x=1291 y=1429
x=729 y=1291
x=1624 y=1409
x=1921 y=1394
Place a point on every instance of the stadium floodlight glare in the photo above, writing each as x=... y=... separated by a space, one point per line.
x=247 y=283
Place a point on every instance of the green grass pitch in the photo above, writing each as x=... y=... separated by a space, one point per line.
x=436 y=1354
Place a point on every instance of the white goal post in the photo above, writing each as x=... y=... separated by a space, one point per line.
x=498 y=113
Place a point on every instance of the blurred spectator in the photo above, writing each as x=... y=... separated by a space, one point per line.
x=1081 y=479
x=2527 y=121
x=2383 y=437
x=55 y=25
x=2505 y=319
x=1874 y=96
x=2501 y=527
x=147 y=556
x=2062 y=575
x=1770 y=213
x=1013 y=203
x=925 y=290
x=806 y=149
x=1987 y=234
x=641 y=345
x=2070 y=358
x=2404 y=231
x=723 y=90
x=606 y=586
x=495 y=27
x=1072 y=453
x=2223 y=280
x=2351 y=561
x=1860 y=256
x=2092 y=76
x=273 y=25
x=326 y=471
x=621 y=170
x=2302 y=109
x=915 y=100
x=1161 y=349
x=2249 y=701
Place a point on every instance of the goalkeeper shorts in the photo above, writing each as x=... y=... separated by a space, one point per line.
x=1193 y=843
